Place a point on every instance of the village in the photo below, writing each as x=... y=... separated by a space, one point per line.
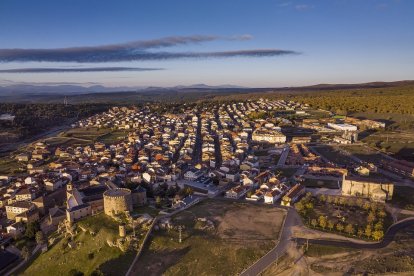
x=269 y=152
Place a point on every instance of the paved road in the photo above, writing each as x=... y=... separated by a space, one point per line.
x=24 y=262
x=6 y=149
x=292 y=219
x=388 y=238
x=283 y=157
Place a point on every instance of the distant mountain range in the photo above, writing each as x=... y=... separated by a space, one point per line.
x=72 y=89
x=28 y=93
x=69 y=89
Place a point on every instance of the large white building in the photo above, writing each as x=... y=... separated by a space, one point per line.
x=269 y=136
x=342 y=127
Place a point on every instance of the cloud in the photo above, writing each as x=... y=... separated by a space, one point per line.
x=80 y=69
x=134 y=51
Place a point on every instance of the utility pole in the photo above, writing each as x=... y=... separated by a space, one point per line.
x=179 y=233
x=277 y=257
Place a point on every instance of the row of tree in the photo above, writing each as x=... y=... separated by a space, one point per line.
x=373 y=229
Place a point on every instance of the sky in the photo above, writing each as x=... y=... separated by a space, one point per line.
x=260 y=43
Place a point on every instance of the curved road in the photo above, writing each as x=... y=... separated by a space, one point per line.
x=388 y=238
x=292 y=219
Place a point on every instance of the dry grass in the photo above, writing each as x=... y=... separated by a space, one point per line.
x=243 y=233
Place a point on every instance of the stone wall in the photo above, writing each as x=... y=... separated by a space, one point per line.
x=117 y=201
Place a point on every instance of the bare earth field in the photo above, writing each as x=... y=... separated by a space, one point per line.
x=240 y=235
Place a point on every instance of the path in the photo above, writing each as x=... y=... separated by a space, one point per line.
x=134 y=268
x=292 y=218
x=283 y=157
x=24 y=262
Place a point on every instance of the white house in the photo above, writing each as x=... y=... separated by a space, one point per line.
x=193 y=174
x=272 y=196
x=16 y=229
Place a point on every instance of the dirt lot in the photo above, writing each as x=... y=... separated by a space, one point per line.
x=241 y=234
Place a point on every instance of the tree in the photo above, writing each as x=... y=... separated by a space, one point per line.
x=322 y=221
x=171 y=191
x=359 y=202
x=314 y=222
x=322 y=198
x=40 y=238
x=379 y=226
x=25 y=253
x=97 y=272
x=368 y=231
x=378 y=235
x=374 y=207
x=349 y=229
x=350 y=202
x=366 y=206
x=371 y=217
x=339 y=227
x=158 y=201
x=75 y=272
x=360 y=232
x=382 y=214
x=309 y=206
x=300 y=207
x=31 y=230
x=331 y=224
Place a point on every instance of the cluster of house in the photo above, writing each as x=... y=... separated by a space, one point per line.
x=197 y=145
x=27 y=199
x=299 y=154
x=205 y=147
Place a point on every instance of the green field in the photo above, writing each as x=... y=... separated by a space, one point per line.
x=9 y=166
x=87 y=136
x=242 y=233
x=90 y=253
x=113 y=136
x=67 y=141
x=89 y=133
